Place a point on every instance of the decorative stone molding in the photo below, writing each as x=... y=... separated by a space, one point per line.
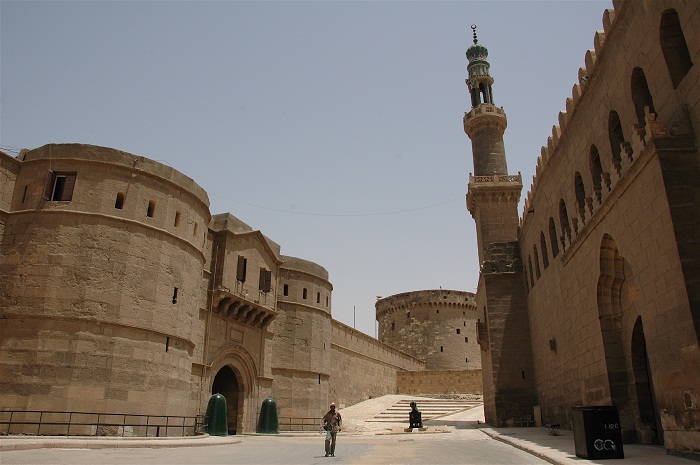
x=484 y=115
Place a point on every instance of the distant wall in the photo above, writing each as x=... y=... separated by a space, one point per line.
x=362 y=367
x=439 y=382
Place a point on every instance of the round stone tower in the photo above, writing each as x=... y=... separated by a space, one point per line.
x=98 y=294
x=437 y=326
x=300 y=355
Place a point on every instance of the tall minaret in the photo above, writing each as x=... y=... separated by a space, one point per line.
x=501 y=297
x=493 y=195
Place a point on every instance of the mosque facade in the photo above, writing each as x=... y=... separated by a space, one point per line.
x=591 y=297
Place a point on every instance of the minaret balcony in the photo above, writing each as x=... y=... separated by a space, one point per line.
x=483 y=115
x=497 y=187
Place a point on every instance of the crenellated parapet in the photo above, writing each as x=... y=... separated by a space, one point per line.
x=436 y=326
x=585 y=76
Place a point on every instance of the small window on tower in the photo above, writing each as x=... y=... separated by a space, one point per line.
x=151 y=209
x=119 y=202
x=58 y=187
x=285 y=290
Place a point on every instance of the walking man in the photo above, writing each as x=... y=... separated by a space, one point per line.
x=331 y=423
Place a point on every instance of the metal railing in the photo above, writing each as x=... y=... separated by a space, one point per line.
x=299 y=424
x=76 y=423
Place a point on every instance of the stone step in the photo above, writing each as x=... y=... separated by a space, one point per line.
x=429 y=408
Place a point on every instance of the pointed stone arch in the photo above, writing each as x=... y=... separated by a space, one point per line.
x=611 y=322
x=649 y=427
x=674 y=47
x=242 y=365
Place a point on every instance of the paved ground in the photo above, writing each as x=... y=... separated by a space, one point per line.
x=459 y=438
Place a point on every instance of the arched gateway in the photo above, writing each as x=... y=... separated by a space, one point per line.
x=226 y=384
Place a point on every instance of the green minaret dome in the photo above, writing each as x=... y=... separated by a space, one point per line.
x=477 y=52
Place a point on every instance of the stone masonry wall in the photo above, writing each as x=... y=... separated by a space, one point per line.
x=87 y=289
x=362 y=367
x=439 y=382
x=611 y=284
x=9 y=167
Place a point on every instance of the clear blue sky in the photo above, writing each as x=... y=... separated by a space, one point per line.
x=333 y=127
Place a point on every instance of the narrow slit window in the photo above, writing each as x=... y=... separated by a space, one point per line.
x=177 y=219
x=119 y=202
x=24 y=194
x=151 y=208
x=265 y=283
x=285 y=290
x=241 y=268
x=318 y=297
x=303 y=293
x=167 y=343
x=458 y=330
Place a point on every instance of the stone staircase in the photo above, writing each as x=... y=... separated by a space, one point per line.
x=429 y=408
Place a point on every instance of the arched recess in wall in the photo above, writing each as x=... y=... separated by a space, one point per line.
x=564 y=223
x=553 y=238
x=242 y=365
x=610 y=312
x=649 y=427
x=616 y=138
x=580 y=195
x=674 y=47
x=543 y=249
x=596 y=172
x=641 y=97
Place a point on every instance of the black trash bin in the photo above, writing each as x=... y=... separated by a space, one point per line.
x=597 y=433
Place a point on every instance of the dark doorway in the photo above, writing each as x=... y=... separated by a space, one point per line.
x=649 y=427
x=226 y=384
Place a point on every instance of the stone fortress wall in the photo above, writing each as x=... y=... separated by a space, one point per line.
x=363 y=367
x=439 y=382
x=301 y=342
x=87 y=286
x=608 y=236
x=120 y=293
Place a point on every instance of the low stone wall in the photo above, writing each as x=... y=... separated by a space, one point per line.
x=439 y=382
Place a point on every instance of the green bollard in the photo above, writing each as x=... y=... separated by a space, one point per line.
x=216 y=416
x=268 y=422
